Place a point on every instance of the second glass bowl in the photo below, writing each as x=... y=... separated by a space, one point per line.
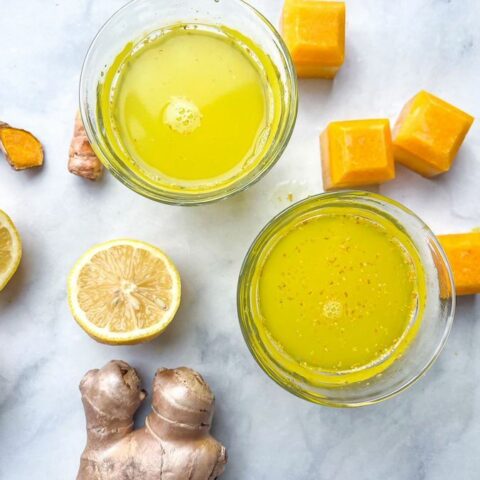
x=433 y=327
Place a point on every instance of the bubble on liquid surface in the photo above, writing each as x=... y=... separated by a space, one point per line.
x=332 y=309
x=182 y=115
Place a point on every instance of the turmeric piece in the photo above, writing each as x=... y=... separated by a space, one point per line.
x=82 y=159
x=175 y=442
x=21 y=148
x=463 y=253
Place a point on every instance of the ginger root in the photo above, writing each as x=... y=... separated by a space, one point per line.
x=21 y=148
x=82 y=159
x=174 y=444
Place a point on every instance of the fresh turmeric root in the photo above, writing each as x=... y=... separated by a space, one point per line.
x=21 y=148
x=82 y=159
x=174 y=444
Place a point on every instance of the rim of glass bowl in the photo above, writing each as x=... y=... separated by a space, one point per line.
x=142 y=187
x=275 y=371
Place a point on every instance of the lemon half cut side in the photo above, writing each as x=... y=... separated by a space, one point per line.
x=10 y=249
x=124 y=291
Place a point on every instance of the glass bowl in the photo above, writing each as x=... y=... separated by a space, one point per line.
x=433 y=326
x=140 y=18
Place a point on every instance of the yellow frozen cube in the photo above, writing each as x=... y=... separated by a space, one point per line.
x=429 y=133
x=314 y=32
x=357 y=152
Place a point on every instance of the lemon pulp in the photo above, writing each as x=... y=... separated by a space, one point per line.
x=191 y=106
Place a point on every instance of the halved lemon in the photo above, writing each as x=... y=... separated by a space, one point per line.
x=124 y=291
x=10 y=249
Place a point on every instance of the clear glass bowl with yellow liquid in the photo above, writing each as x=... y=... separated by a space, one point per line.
x=346 y=299
x=188 y=101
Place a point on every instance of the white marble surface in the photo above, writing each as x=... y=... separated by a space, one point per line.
x=430 y=432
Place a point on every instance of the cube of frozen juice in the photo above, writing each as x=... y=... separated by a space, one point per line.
x=463 y=253
x=357 y=152
x=314 y=32
x=429 y=133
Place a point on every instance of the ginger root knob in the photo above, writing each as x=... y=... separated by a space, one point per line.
x=174 y=444
x=21 y=148
x=82 y=159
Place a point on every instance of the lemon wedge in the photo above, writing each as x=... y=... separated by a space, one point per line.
x=124 y=292
x=10 y=249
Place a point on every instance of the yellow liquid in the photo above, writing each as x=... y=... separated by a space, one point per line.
x=191 y=107
x=337 y=296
